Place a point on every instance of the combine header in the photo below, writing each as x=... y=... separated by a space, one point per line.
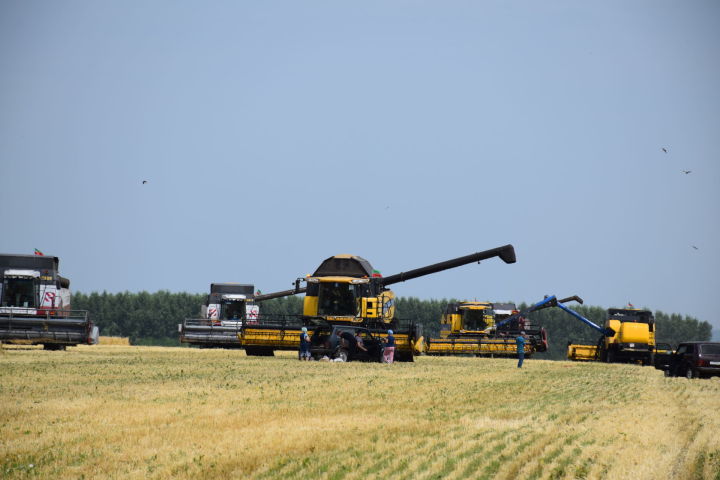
x=490 y=329
x=35 y=305
x=345 y=290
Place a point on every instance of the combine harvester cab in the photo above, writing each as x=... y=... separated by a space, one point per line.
x=628 y=337
x=490 y=329
x=35 y=305
x=345 y=290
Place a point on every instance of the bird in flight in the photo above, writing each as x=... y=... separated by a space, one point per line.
x=686 y=171
x=664 y=149
x=693 y=246
x=144 y=182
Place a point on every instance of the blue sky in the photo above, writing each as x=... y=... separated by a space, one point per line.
x=276 y=134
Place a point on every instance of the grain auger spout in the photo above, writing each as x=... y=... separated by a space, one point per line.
x=283 y=293
x=506 y=254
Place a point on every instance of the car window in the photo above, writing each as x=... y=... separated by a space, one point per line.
x=682 y=349
x=710 y=349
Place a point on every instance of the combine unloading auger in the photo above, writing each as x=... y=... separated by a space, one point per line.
x=506 y=254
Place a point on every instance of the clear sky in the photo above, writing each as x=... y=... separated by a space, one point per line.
x=275 y=134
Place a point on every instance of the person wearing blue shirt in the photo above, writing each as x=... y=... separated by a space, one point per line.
x=520 y=341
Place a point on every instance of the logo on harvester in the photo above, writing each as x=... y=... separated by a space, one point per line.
x=49 y=299
x=388 y=305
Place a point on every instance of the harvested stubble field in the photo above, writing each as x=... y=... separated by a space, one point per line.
x=115 y=411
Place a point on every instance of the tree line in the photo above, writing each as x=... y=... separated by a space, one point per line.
x=152 y=318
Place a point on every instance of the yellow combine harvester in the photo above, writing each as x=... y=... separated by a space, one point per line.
x=346 y=290
x=628 y=336
x=490 y=329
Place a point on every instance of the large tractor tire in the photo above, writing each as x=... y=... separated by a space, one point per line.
x=404 y=357
x=342 y=354
x=259 y=352
x=610 y=356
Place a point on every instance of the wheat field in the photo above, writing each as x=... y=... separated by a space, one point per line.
x=152 y=412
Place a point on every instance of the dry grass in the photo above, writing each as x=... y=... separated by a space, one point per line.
x=117 y=412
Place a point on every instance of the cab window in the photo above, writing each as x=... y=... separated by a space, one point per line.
x=336 y=298
x=710 y=349
x=19 y=292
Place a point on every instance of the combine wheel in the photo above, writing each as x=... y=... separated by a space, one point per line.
x=404 y=357
x=259 y=352
x=342 y=354
x=53 y=347
x=650 y=360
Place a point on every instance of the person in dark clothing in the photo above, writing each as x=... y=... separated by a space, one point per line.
x=520 y=342
x=350 y=342
x=389 y=351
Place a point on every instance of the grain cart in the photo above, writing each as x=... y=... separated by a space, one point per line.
x=35 y=305
x=347 y=290
x=490 y=329
x=227 y=308
x=628 y=336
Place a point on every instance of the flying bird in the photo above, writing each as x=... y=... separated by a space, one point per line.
x=144 y=182
x=686 y=171
x=693 y=246
x=664 y=149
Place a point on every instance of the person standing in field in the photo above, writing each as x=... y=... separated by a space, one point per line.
x=389 y=351
x=520 y=342
x=304 y=345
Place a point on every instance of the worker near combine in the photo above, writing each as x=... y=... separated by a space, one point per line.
x=520 y=342
x=349 y=342
x=304 y=345
x=360 y=343
x=389 y=351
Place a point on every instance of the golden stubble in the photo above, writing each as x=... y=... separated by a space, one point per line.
x=136 y=412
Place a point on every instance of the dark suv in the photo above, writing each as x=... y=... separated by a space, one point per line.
x=339 y=342
x=695 y=360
